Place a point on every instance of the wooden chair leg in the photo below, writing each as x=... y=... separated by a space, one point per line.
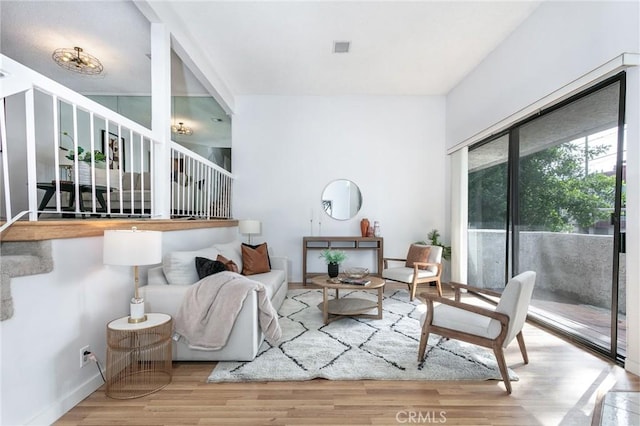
x=412 y=294
x=439 y=287
x=424 y=337
x=502 y=364
x=523 y=348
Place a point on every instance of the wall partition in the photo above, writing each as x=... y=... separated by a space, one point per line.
x=547 y=194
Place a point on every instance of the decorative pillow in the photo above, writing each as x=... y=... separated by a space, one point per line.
x=255 y=259
x=231 y=251
x=206 y=267
x=417 y=253
x=229 y=264
x=179 y=266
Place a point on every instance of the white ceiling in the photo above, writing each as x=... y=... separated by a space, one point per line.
x=269 y=47
x=397 y=47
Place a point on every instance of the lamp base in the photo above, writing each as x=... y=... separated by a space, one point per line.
x=137 y=311
x=132 y=320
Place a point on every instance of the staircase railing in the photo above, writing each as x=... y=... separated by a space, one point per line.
x=90 y=160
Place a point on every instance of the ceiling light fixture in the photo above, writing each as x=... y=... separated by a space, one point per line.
x=181 y=129
x=77 y=60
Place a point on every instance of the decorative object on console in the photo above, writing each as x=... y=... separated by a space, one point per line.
x=364 y=227
x=249 y=227
x=376 y=229
x=77 y=60
x=333 y=258
x=133 y=248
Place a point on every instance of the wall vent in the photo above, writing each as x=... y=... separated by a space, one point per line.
x=341 y=46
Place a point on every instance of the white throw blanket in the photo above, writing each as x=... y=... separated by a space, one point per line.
x=210 y=308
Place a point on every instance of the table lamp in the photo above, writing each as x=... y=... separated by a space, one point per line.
x=132 y=247
x=249 y=227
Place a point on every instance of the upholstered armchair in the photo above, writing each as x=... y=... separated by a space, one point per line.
x=422 y=265
x=490 y=328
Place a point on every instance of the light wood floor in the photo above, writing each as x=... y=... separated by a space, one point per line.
x=560 y=385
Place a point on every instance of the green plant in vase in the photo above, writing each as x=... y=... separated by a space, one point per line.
x=333 y=259
x=99 y=157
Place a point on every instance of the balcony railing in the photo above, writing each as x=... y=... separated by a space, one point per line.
x=65 y=154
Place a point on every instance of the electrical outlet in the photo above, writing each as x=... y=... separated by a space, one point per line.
x=84 y=359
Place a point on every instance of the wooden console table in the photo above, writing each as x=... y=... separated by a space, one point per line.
x=340 y=243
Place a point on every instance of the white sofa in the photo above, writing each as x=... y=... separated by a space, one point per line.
x=167 y=285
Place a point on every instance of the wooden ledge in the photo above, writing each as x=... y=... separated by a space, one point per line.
x=79 y=228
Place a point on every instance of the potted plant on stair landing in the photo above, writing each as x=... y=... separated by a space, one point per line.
x=333 y=259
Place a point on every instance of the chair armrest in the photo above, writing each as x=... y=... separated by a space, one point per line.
x=475 y=289
x=417 y=265
x=429 y=299
x=471 y=289
x=394 y=259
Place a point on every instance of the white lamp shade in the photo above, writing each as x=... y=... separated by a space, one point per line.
x=249 y=226
x=132 y=247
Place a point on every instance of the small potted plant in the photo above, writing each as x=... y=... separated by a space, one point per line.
x=333 y=259
x=85 y=156
x=434 y=240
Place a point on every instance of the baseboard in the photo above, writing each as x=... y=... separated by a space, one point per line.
x=632 y=366
x=59 y=408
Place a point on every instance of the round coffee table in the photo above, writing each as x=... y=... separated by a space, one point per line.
x=333 y=309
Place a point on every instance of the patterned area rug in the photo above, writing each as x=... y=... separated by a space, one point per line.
x=357 y=349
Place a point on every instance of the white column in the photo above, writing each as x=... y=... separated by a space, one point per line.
x=161 y=118
x=459 y=214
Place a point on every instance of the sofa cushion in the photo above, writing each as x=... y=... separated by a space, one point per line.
x=271 y=280
x=144 y=179
x=179 y=266
x=255 y=259
x=206 y=267
x=126 y=181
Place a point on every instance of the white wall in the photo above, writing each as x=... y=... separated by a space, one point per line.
x=286 y=149
x=560 y=42
x=58 y=313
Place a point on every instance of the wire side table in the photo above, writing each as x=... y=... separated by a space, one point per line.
x=138 y=356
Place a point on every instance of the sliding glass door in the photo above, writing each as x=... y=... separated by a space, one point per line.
x=547 y=196
x=488 y=213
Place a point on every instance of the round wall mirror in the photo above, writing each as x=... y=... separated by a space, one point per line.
x=341 y=199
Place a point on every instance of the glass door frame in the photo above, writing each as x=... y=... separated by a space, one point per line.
x=513 y=214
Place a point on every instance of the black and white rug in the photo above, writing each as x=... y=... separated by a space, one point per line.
x=357 y=349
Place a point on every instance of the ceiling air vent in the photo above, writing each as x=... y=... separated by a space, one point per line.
x=341 y=46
